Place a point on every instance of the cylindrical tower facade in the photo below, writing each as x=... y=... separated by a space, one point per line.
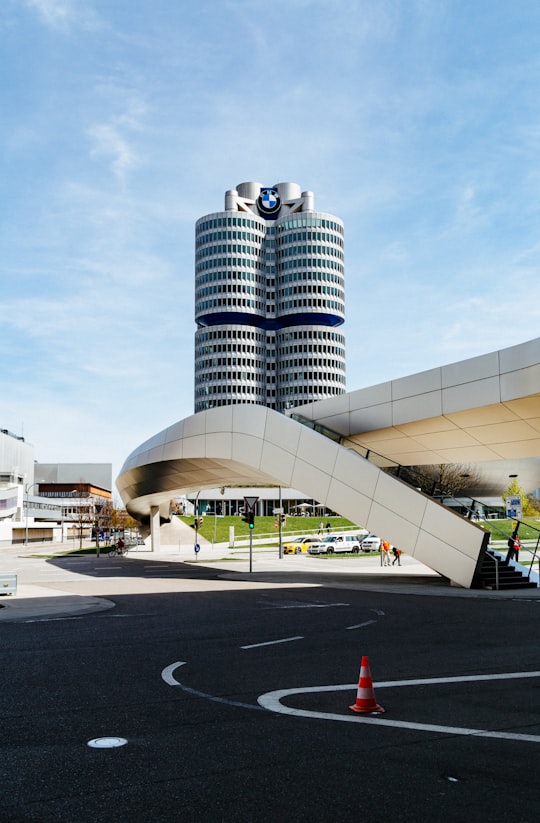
x=269 y=295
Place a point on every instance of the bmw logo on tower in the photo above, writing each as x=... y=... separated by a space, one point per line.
x=269 y=202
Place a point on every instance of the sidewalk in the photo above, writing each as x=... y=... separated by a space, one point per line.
x=33 y=603
x=411 y=577
x=39 y=602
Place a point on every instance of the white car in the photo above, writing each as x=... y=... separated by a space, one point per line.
x=337 y=544
x=371 y=543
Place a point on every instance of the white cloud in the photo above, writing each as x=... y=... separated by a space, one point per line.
x=63 y=14
x=109 y=143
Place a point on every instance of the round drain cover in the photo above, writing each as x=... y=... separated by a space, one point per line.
x=107 y=742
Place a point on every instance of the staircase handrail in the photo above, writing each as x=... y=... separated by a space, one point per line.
x=496 y=560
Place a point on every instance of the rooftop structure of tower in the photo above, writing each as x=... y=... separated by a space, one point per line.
x=269 y=300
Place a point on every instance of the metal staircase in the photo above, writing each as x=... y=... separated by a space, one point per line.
x=494 y=573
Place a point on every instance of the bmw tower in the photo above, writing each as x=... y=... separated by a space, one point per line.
x=269 y=300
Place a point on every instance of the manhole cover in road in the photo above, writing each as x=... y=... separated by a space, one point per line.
x=107 y=742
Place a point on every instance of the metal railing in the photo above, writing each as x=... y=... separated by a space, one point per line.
x=496 y=561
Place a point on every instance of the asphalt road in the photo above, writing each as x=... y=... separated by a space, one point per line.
x=179 y=673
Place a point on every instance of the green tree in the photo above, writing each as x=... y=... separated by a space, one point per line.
x=121 y=519
x=515 y=490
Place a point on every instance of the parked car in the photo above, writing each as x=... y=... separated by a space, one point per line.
x=320 y=547
x=337 y=544
x=299 y=545
x=371 y=543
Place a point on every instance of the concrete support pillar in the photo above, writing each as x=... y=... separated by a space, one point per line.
x=154 y=529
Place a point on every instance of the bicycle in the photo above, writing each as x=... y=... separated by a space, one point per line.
x=116 y=552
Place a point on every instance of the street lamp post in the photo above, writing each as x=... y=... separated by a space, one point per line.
x=62 y=515
x=196 y=546
x=98 y=507
x=26 y=491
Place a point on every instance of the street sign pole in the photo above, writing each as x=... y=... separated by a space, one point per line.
x=280 y=527
x=250 y=503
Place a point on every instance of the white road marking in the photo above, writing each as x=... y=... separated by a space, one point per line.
x=49 y=619
x=378 y=612
x=463 y=679
x=272 y=642
x=361 y=625
x=298 y=605
x=272 y=702
x=167 y=675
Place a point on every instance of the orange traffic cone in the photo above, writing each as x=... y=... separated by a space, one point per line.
x=365 y=697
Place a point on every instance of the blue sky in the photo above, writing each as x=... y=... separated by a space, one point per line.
x=123 y=121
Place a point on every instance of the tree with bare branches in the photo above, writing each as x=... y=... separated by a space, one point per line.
x=447 y=479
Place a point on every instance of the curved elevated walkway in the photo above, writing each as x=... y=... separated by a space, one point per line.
x=252 y=445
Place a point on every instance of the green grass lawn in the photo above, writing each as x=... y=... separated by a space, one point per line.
x=529 y=528
x=216 y=529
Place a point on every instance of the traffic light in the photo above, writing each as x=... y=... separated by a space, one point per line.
x=249 y=518
x=283 y=518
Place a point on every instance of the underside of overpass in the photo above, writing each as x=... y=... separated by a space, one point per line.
x=483 y=409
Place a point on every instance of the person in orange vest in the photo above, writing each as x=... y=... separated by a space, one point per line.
x=517 y=547
x=514 y=545
x=385 y=552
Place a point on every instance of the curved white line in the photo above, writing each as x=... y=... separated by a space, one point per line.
x=272 y=702
x=361 y=625
x=167 y=674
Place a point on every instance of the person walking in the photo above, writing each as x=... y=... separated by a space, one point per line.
x=397 y=556
x=514 y=545
x=385 y=552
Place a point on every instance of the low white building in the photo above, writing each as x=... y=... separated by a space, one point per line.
x=44 y=502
